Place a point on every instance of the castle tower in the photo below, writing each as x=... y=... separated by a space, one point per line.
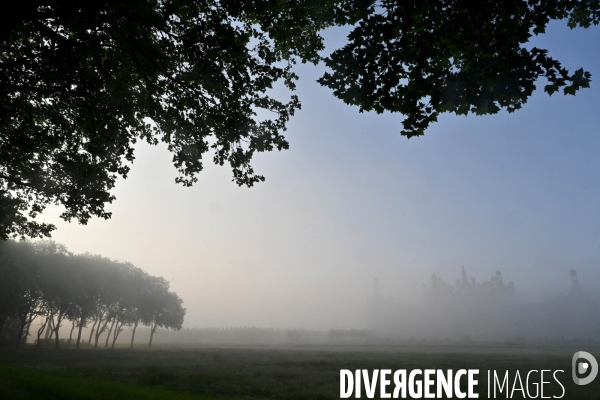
x=574 y=279
x=575 y=288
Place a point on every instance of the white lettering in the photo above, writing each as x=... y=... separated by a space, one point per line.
x=556 y=379
x=417 y=394
x=385 y=382
x=445 y=383
x=400 y=382
x=428 y=383
x=370 y=385
x=504 y=382
x=517 y=378
x=535 y=384
x=346 y=375
x=542 y=384
x=472 y=382
x=459 y=394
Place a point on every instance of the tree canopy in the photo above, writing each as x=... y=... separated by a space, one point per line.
x=82 y=81
x=424 y=58
x=44 y=281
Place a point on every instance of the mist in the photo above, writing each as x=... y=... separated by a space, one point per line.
x=489 y=310
x=475 y=246
x=351 y=201
x=466 y=310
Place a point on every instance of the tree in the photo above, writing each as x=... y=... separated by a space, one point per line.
x=152 y=303
x=83 y=81
x=21 y=290
x=139 y=287
x=424 y=58
x=9 y=291
x=169 y=314
x=128 y=291
x=46 y=282
x=60 y=293
x=86 y=288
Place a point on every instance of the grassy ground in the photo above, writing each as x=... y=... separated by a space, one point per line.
x=300 y=372
x=26 y=383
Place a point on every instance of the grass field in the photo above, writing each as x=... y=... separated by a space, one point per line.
x=292 y=372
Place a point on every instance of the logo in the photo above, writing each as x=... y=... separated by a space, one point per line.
x=590 y=365
x=462 y=383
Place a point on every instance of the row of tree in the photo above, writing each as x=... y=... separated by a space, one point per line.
x=42 y=281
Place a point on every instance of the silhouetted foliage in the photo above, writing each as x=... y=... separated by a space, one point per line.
x=43 y=281
x=424 y=58
x=83 y=81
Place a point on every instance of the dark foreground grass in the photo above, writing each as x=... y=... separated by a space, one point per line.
x=288 y=373
x=18 y=383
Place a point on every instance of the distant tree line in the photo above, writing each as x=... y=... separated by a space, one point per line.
x=350 y=333
x=237 y=335
x=43 y=281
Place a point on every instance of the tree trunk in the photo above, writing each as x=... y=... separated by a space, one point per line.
x=56 y=339
x=48 y=328
x=81 y=323
x=41 y=332
x=20 y=334
x=133 y=334
x=59 y=319
x=71 y=334
x=51 y=327
x=92 y=332
x=152 y=329
x=99 y=332
x=110 y=331
x=26 y=336
x=118 y=330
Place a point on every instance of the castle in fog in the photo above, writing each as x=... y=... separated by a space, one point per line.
x=487 y=310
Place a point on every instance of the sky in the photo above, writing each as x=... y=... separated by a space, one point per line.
x=352 y=201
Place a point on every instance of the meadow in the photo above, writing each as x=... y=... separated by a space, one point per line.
x=265 y=372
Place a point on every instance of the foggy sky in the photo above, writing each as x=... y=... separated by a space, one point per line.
x=352 y=200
